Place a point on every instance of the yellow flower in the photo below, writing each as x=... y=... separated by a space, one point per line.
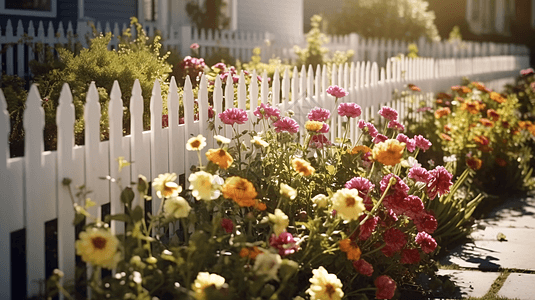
x=98 y=247
x=351 y=248
x=313 y=126
x=176 y=207
x=241 y=190
x=196 y=143
x=280 y=221
x=348 y=204
x=358 y=149
x=220 y=157
x=202 y=186
x=388 y=153
x=302 y=167
x=324 y=286
x=288 y=191
x=204 y=280
x=321 y=200
x=257 y=140
x=165 y=185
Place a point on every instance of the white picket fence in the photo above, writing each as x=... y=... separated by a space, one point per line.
x=31 y=186
x=239 y=44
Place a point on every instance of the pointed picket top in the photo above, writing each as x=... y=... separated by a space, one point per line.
x=34 y=123
x=367 y=74
x=9 y=29
x=50 y=31
x=61 y=31
x=294 y=85
x=115 y=112
x=173 y=104
x=31 y=29
x=187 y=101
x=65 y=121
x=275 y=87
x=229 y=92
x=4 y=123
x=302 y=82
x=382 y=77
x=374 y=74
x=310 y=82
x=388 y=70
x=41 y=31
x=69 y=28
x=20 y=28
x=218 y=100
x=156 y=106
x=92 y=117
x=203 y=104
x=346 y=77
x=136 y=109
x=285 y=90
x=340 y=73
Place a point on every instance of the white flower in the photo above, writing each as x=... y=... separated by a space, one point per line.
x=222 y=139
x=267 y=263
x=196 y=143
x=280 y=221
x=165 y=186
x=348 y=204
x=288 y=191
x=324 y=286
x=204 y=280
x=321 y=200
x=203 y=186
x=451 y=158
x=410 y=162
x=176 y=207
x=257 y=140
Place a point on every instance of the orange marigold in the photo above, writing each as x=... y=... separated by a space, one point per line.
x=446 y=137
x=481 y=140
x=351 y=249
x=480 y=86
x=251 y=252
x=447 y=128
x=241 y=190
x=474 y=163
x=465 y=89
x=260 y=206
x=472 y=106
x=388 y=153
x=220 y=157
x=486 y=122
x=493 y=115
x=302 y=167
x=441 y=112
x=414 y=87
x=497 y=97
x=358 y=149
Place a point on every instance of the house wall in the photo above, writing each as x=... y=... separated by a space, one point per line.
x=67 y=10
x=118 y=11
x=283 y=17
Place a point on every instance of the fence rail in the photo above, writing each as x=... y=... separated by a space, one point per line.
x=33 y=197
x=19 y=44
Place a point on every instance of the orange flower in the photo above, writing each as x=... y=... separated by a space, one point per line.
x=446 y=137
x=251 y=252
x=388 y=153
x=472 y=107
x=465 y=89
x=480 y=86
x=486 y=122
x=500 y=162
x=474 y=163
x=447 y=128
x=220 y=157
x=505 y=124
x=351 y=249
x=358 y=149
x=302 y=167
x=493 y=115
x=481 y=140
x=260 y=206
x=241 y=190
x=413 y=87
x=497 y=97
x=441 y=112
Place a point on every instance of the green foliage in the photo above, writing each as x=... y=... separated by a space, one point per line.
x=403 y=19
x=256 y=64
x=15 y=94
x=455 y=35
x=412 y=50
x=209 y=15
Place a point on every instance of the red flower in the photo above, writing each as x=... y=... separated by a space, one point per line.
x=386 y=287
x=426 y=242
x=486 y=122
x=285 y=243
x=363 y=267
x=440 y=182
x=227 y=225
x=426 y=223
x=410 y=256
x=493 y=115
x=367 y=228
x=474 y=163
x=395 y=239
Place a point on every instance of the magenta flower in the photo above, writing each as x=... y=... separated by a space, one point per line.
x=386 y=287
x=319 y=141
x=413 y=207
x=363 y=267
x=426 y=242
x=233 y=116
x=165 y=120
x=366 y=229
x=380 y=138
x=285 y=243
x=267 y=112
x=336 y=91
x=388 y=113
x=425 y=222
x=194 y=46
x=422 y=142
x=221 y=66
x=227 y=225
x=350 y=110
x=396 y=125
x=372 y=130
x=324 y=129
x=395 y=239
x=286 y=124
x=439 y=183
x=362 y=124
x=319 y=114
x=410 y=144
x=362 y=184
x=410 y=256
x=211 y=112
x=527 y=72
x=419 y=174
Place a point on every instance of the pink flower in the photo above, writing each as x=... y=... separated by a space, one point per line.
x=410 y=256
x=319 y=114
x=363 y=267
x=267 y=112
x=366 y=229
x=399 y=187
x=211 y=112
x=372 y=130
x=422 y=142
x=221 y=66
x=410 y=144
x=422 y=109
x=527 y=72
x=194 y=46
x=440 y=182
x=319 y=140
x=362 y=124
x=350 y=110
x=396 y=125
x=285 y=243
x=227 y=225
x=362 y=184
x=388 y=113
x=380 y=138
x=426 y=222
x=386 y=287
x=413 y=206
x=426 y=242
x=419 y=174
x=324 y=129
x=286 y=124
x=395 y=239
x=233 y=116
x=336 y=91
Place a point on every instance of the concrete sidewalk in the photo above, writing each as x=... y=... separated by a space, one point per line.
x=503 y=241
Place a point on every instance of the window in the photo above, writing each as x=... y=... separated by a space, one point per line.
x=150 y=10
x=35 y=8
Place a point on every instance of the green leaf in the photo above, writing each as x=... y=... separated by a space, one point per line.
x=127 y=196
x=119 y=217
x=78 y=218
x=137 y=214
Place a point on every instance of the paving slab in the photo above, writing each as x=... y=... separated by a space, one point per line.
x=470 y=283
x=486 y=252
x=516 y=212
x=519 y=286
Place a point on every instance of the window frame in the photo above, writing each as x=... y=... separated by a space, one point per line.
x=28 y=12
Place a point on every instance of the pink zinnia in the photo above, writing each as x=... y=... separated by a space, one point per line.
x=221 y=66
x=413 y=206
x=410 y=256
x=396 y=125
x=526 y=72
x=319 y=114
x=422 y=142
x=366 y=229
x=439 y=183
x=372 y=130
x=319 y=140
x=426 y=222
x=410 y=144
x=227 y=225
x=419 y=174
x=285 y=243
x=363 y=267
x=233 y=116
x=426 y=242
x=336 y=91
x=324 y=129
x=350 y=110
x=395 y=238
x=388 y=113
x=399 y=187
x=267 y=112
x=386 y=287
x=362 y=184
x=194 y=46
x=362 y=124
x=286 y=124
x=380 y=138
